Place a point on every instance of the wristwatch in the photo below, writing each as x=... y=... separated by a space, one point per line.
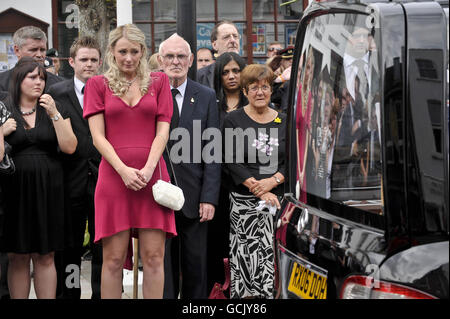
x=56 y=117
x=277 y=179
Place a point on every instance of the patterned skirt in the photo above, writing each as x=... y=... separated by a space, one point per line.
x=251 y=249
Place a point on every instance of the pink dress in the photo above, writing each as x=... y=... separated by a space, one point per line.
x=131 y=131
x=303 y=123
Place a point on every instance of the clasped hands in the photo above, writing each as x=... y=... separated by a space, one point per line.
x=135 y=179
x=261 y=188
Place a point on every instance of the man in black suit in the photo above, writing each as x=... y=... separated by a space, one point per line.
x=29 y=41
x=195 y=110
x=360 y=65
x=225 y=37
x=80 y=173
x=4 y=293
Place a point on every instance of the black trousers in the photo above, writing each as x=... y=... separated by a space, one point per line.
x=186 y=258
x=4 y=291
x=80 y=210
x=219 y=240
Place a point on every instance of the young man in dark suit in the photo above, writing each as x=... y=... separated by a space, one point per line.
x=194 y=104
x=80 y=173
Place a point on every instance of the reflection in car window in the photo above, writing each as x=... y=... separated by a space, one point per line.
x=337 y=107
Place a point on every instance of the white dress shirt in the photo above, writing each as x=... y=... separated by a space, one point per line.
x=78 y=88
x=351 y=71
x=180 y=96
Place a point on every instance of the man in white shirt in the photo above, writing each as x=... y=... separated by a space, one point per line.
x=80 y=170
x=356 y=61
x=200 y=181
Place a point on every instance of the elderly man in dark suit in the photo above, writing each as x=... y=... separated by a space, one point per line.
x=225 y=37
x=80 y=172
x=29 y=41
x=195 y=107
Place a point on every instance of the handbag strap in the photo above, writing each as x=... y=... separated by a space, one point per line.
x=7 y=147
x=226 y=265
x=171 y=167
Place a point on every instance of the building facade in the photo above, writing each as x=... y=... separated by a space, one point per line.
x=260 y=22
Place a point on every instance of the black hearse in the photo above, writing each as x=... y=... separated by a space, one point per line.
x=366 y=208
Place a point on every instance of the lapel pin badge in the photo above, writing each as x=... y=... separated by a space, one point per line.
x=192 y=100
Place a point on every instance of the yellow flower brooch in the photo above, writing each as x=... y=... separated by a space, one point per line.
x=277 y=120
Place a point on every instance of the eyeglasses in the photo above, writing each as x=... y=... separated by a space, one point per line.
x=171 y=57
x=235 y=36
x=255 y=89
x=273 y=49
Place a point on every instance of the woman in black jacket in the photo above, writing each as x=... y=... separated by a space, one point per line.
x=230 y=97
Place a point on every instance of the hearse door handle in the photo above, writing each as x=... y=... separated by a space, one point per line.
x=303 y=220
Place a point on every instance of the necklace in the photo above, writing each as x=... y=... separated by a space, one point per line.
x=29 y=112
x=131 y=82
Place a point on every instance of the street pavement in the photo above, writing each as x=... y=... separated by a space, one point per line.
x=86 y=283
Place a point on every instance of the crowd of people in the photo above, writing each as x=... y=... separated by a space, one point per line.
x=91 y=147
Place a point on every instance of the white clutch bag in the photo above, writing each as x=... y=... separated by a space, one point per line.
x=167 y=194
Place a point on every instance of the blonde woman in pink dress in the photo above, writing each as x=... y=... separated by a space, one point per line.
x=129 y=111
x=303 y=117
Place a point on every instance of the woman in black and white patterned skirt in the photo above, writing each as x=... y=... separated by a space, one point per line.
x=254 y=139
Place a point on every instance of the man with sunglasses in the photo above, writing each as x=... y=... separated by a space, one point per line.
x=273 y=48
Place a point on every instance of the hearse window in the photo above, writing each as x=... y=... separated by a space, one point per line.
x=434 y=110
x=427 y=68
x=338 y=116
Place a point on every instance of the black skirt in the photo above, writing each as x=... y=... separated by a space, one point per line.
x=33 y=205
x=33 y=197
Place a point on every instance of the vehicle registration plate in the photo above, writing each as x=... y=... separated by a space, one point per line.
x=306 y=283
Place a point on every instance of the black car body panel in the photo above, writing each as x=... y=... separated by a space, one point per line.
x=394 y=227
x=424 y=267
x=340 y=247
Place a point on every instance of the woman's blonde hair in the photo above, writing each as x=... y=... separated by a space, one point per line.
x=153 y=63
x=309 y=59
x=117 y=82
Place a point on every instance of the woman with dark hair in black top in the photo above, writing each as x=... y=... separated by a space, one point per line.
x=230 y=97
x=227 y=85
x=4 y=114
x=34 y=195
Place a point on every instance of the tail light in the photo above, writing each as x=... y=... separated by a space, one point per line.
x=364 y=287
